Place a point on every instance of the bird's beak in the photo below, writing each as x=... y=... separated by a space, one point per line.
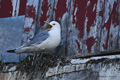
x=48 y=25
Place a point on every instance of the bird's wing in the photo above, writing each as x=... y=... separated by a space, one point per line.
x=38 y=38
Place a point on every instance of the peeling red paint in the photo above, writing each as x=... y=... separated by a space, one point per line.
x=105 y=46
x=82 y=10
x=60 y=10
x=74 y=16
x=26 y=30
x=80 y=14
x=93 y=10
x=22 y=7
x=5 y=8
x=30 y=20
x=68 y=35
x=102 y=7
x=91 y=14
x=111 y=43
x=114 y=20
x=107 y=25
x=111 y=35
x=115 y=15
x=89 y=42
x=78 y=45
x=31 y=12
x=44 y=10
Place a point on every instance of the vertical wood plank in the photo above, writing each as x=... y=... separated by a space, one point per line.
x=88 y=26
x=110 y=28
x=15 y=7
x=118 y=9
x=30 y=20
x=85 y=26
x=92 y=26
x=22 y=7
x=5 y=8
x=76 y=31
x=45 y=13
x=61 y=15
x=11 y=8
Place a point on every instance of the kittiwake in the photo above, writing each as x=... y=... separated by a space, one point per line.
x=43 y=41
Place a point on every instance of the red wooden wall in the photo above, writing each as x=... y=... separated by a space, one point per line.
x=88 y=26
x=10 y=8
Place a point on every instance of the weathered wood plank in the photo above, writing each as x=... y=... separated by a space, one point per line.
x=84 y=28
x=30 y=20
x=88 y=27
x=91 y=32
x=76 y=30
x=10 y=8
x=36 y=13
x=45 y=13
x=61 y=15
x=5 y=11
x=111 y=26
x=93 y=25
x=22 y=7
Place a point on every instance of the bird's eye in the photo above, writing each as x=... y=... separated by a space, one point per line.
x=54 y=24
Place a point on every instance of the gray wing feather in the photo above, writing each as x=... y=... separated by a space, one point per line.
x=38 y=38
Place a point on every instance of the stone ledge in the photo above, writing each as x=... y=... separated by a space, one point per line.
x=77 y=65
x=64 y=69
x=95 y=68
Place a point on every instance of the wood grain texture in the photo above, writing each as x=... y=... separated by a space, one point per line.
x=88 y=27
x=11 y=8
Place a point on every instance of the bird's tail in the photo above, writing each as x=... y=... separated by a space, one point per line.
x=11 y=51
x=19 y=50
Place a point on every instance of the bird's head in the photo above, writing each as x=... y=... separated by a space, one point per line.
x=53 y=25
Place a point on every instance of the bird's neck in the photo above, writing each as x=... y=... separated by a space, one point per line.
x=55 y=32
x=55 y=29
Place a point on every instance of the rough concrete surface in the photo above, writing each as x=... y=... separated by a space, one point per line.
x=11 y=29
x=95 y=68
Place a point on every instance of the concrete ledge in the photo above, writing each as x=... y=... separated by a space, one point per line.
x=64 y=69
x=80 y=64
x=95 y=68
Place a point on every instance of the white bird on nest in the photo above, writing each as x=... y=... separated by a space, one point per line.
x=43 y=41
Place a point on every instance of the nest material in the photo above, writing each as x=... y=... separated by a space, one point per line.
x=1 y=65
x=41 y=62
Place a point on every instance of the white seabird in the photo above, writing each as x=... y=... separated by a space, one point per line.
x=43 y=41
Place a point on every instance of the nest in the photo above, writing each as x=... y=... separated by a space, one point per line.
x=41 y=62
